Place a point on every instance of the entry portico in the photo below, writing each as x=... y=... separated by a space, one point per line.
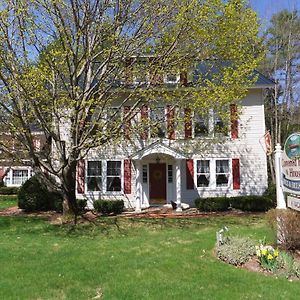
x=158 y=176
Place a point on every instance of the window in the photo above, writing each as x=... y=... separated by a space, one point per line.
x=145 y=174
x=94 y=176
x=113 y=176
x=19 y=176
x=159 y=122
x=203 y=173
x=222 y=172
x=220 y=127
x=201 y=125
x=170 y=173
x=171 y=78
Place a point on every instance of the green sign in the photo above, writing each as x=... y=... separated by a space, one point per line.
x=291 y=164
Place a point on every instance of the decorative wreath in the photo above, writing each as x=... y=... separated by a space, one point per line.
x=157 y=175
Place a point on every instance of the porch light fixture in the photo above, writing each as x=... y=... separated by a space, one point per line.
x=157 y=160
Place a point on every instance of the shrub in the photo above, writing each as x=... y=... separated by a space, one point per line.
x=81 y=205
x=5 y=190
x=251 y=203
x=107 y=207
x=34 y=196
x=285 y=225
x=245 y=203
x=212 y=204
x=236 y=250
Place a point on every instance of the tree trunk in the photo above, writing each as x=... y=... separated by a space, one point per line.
x=70 y=209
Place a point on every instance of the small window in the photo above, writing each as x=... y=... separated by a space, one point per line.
x=159 y=122
x=222 y=172
x=170 y=173
x=203 y=173
x=220 y=127
x=19 y=176
x=171 y=78
x=201 y=124
x=94 y=176
x=145 y=174
x=113 y=176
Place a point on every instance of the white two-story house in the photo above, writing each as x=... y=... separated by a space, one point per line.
x=180 y=164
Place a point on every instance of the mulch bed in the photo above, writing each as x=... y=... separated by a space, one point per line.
x=152 y=212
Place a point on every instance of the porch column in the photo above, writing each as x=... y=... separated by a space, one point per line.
x=178 y=185
x=138 y=189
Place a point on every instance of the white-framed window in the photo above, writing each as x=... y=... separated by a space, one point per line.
x=203 y=173
x=222 y=172
x=19 y=176
x=172 y=78
x=201 y=125
x=170 y=173
x=113 y=176
x=94 y=176
x=158 y=118
x=145 y=174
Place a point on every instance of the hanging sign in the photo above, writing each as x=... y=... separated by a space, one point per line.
x=290 y=163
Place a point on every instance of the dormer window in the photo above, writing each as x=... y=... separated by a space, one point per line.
x=172 y=78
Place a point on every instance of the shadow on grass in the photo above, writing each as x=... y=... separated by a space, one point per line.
x=119 y=226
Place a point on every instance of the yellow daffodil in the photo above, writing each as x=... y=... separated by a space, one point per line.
x=264 y=252
x=270 y=257
x=276 y=253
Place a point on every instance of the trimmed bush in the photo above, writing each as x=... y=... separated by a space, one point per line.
x=212 y=204
x=107 y=207
x=251 y=203
x=236 y=250
x=34 y=196
x=6 y=190
x=245 y=203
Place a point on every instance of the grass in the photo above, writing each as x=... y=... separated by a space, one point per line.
x=7 y=201
x=129 y=259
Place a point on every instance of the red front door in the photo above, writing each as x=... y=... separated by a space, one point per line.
x=157 y=183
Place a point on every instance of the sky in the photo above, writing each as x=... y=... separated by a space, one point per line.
x=266 y=8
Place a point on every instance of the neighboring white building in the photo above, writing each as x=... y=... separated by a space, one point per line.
x=181 y=165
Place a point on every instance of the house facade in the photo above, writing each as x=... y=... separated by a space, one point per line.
x=181 y=164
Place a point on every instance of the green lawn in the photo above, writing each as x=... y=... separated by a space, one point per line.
x=7 y=201
x=129 y=259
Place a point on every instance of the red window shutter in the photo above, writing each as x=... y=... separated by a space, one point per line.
x=183 y=78
x=144 y=118
x=127 y=122
x=80 y=176
x=170 y=122
x=187 y=123
x=127 y=176
x=236 y=173
x=234 y=121
x=189 y=174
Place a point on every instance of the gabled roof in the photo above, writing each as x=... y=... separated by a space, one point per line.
x=157 y=148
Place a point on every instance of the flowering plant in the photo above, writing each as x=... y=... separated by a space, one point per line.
x=267 y=256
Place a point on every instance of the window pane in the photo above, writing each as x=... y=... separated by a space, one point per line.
x=222 y=180
x=145 y=174
x=19 y=176
x=94 y=168
x=203 y=180
x=170 y=173
x=94 y=183
x=201 y=126
x=113 y=168
x=158 y=119
x=113 y=184
x=222 y=166
x=202 y=166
